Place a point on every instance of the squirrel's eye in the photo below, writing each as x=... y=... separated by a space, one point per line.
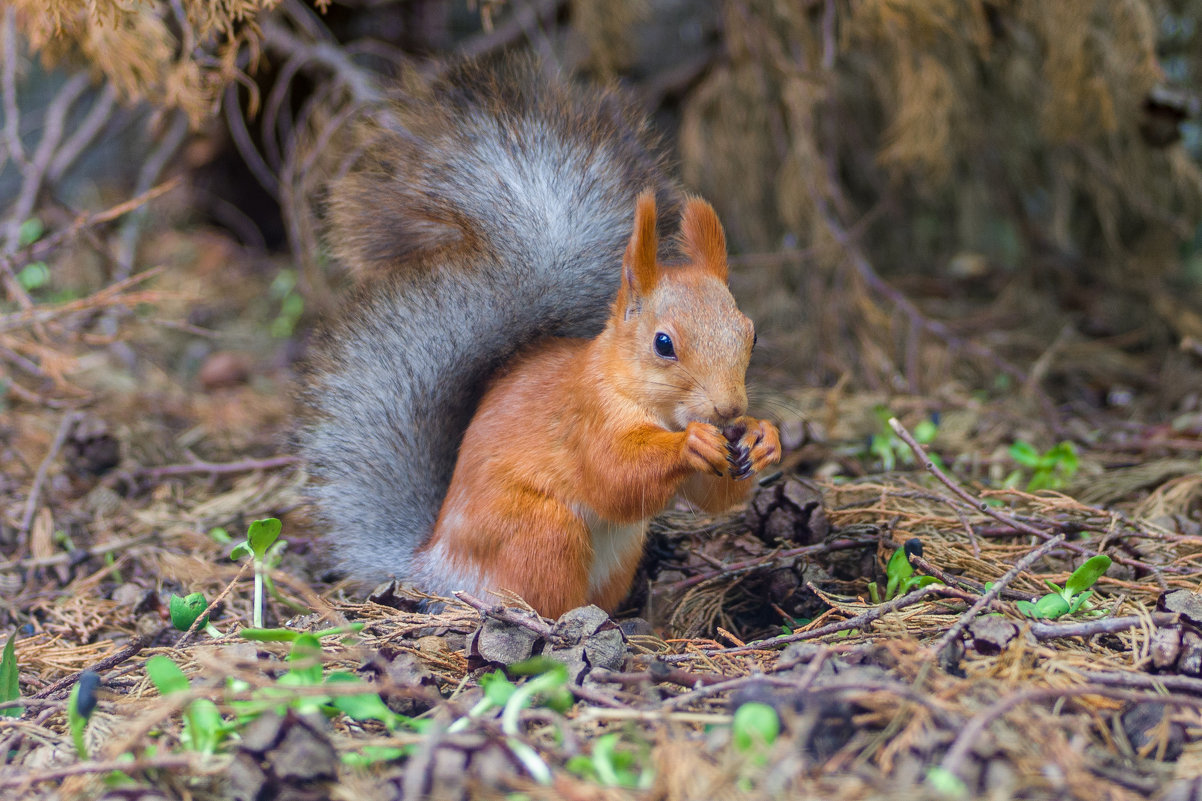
x=663 y=346
x=754 y=339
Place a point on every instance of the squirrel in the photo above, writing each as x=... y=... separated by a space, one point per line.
x=522 y=377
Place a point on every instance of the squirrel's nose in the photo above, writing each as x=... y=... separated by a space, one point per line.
x=729 y=411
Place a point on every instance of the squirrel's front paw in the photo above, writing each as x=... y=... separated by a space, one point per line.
x=751 y=445
x=705 y=448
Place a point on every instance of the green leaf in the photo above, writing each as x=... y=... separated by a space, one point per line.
x=944 y=782
x=166 y=675
x=755 y=726
x=1051 y=607
x=10 y=685
x=185 y=611
x=916 y=582
x=241 y=551
x=76 y=722
x=1078 y=602
x=203 y=726
x=1025 y=607
x=603 y=760
x=1024 y=453
x=497 y=689
x=261 y=535
x=34 y=275
x=367 y=706
x=372 y=754
x=925 y=432
x=897 y=571
x=30 y=231
x=306 y=648
x=269 y=635
x=1087 y=574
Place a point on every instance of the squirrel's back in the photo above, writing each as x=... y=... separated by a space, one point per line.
x=490 y=208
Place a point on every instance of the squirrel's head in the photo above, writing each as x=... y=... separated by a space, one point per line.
x=683 y=343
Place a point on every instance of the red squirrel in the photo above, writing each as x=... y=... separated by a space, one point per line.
x=522 y=378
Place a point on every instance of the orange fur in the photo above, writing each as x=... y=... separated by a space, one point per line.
x=577 y=433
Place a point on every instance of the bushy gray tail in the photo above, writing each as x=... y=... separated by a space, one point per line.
x=491 y=208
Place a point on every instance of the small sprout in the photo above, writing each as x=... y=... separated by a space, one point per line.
x=80 y=705
x=613 y=763
x=184 y=612
x=29 y=232
x=886 y=446
x=261 y=535
x=1073 y=596
x=34 y=275
x=900 y=573
x=946 y=783
x=1052 y=469
x=203 y=727
x=220 y=536
x=10 y=685
x=755 y=727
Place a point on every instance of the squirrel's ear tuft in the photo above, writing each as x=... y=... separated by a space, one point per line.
x=702 y=237
x=639 y=270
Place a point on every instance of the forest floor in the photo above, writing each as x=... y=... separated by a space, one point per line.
x=130 y=467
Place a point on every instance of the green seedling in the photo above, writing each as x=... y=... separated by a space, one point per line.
x=184 y=612
x=1052 y=469
x=615 y=763
x=548 y=682
x=889 y=448
x=946 y=783
x=899 y=574
x=10 y=685
x=292 y=304
x=754 y=729
x=203 y=727
x=291 y=635
x=307 y=672
x=80 y=705
x=34 y=275
x=1071 y=598
x=261 y=535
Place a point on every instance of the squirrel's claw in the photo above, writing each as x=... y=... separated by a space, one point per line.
x=756 y=448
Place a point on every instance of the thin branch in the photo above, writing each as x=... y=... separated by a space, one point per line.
x=507 y=614
x=215 y=468
x=34 y=172
x=98 y=116
x=31 y=502
x=1092 y=628
x=112 y=660
x=8 y=86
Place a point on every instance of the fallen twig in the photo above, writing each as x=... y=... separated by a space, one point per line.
x=215 y=468
x=507 y=614
x=31 y=502
x=112 y=660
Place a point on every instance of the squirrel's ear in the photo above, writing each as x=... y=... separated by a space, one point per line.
x=639 y=270
x=702 y=237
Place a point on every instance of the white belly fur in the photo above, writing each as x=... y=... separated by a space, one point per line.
x=611 y=543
